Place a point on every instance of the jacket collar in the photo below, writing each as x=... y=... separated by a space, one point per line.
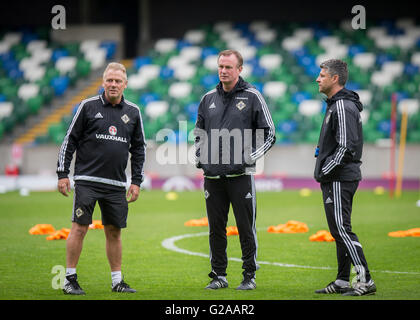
x=106 y=103
x=240 y=85
x=346 y=95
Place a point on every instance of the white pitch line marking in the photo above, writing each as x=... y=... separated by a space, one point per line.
x=169 y=244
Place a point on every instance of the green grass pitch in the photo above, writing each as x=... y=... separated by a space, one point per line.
x=294 y=267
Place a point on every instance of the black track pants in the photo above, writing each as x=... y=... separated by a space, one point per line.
x=220 y=193
x=338 y=200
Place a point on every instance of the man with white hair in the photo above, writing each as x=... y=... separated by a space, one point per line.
x=104 y=131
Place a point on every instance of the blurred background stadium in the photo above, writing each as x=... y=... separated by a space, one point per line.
x=170 y=50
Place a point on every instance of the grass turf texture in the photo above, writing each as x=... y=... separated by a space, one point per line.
x=159 y=274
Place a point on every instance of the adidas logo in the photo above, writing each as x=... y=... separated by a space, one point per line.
x=98 y=116
x=328 y=200
x=212 y=106
x=248 y=196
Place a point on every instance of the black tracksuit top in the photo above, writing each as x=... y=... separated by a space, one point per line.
x=102 y=136
x=242 y=109
x=341 y=139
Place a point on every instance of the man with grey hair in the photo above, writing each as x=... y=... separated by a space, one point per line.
x=337 y=169
x=104 y=131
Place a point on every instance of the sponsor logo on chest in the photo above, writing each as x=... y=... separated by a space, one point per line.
x=111 y=136
x=112 y=130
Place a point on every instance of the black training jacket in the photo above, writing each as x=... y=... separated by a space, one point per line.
x=102 y=136
x=242 y=113
x=341 y=139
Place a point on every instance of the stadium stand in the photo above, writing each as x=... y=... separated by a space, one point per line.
x=34 y=70
x=282 y=61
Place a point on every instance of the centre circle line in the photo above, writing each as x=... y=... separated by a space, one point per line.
x=169 y=244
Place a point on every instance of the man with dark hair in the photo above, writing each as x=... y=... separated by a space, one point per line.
x=233 y=129
x=337 y=169
x=336 y=67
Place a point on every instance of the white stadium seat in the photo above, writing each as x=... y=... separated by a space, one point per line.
x=274 y=89
x=195 y=36
x=155 y=109
x=364 y=60
x=137 y=81
x=411 y=106
x=65 y=64
x=179 y=90
x=365 y=96
x=165 y=45
x=271 y=61
x=185 y=72
x=28 y=90
x=310 y=107
x=6 y=109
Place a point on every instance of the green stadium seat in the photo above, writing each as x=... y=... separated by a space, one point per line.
x=413 y=136
x=311 y=87
x=83 y=67
x=35 y=103
x=73 y=48
x=20 y=52
x=56 y=133
x=9 y=123
x=73 y=77
x=21 y=112
x=159 y=86
x=47 y=93
x=66 y=121
x=131 y=95
x=10 y=91
x=311 y=136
